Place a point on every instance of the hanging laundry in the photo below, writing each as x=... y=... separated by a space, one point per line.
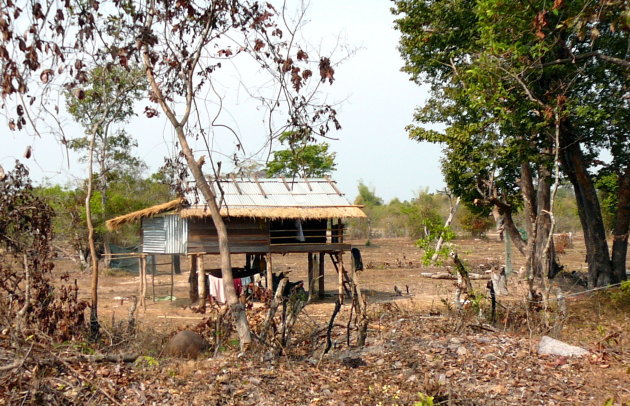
x=216 y=288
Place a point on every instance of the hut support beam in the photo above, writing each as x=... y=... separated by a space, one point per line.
x=340 y=272
x=322 y=257
x=173 y=269
x=176 y=264
x=193 y=290
x=153 y=272
x=310 y=274
x=142 y=287
x=201 y=282
x=270 y=273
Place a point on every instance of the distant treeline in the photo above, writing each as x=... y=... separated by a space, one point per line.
x=428 y=211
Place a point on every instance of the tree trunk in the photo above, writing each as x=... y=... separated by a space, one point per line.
x=544 y=267
x=575 y=167
x=620 y=231
x=537 y=206
x=449 y=220
x=529 y=201
x=94 y=324
x=103 y=189
x=236 y=307
x=510 y=228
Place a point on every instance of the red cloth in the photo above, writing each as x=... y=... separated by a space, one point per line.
x=238 y=286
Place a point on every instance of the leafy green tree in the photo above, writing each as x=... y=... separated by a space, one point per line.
x=106 y=101
x=303 y=157
x=608 y=186
x=367 y=197
x=126 y=193
x=474 y=223
x=373 y=207
x=515 y=82
x=70 y=230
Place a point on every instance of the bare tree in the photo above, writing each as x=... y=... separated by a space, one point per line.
x=182 y=45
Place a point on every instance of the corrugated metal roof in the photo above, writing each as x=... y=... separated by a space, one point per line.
x=248 y=193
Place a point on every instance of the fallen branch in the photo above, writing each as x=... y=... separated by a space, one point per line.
x=17 y=363
x=104 y=358
x=449 y=276
x=485 y=327
x=463 y=273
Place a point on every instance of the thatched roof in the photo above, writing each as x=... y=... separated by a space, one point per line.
x=273 y=199
x=116 y=222
x=275 y=213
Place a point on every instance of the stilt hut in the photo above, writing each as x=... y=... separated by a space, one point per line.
x=263 y=217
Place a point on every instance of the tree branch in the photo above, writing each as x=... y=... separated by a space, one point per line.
x=595 y=54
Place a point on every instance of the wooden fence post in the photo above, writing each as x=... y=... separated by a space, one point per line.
x=143 y=281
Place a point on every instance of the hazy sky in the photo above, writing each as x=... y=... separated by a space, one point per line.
x=376 y=103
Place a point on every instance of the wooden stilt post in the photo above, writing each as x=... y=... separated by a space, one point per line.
x=270 y=272
x=176 y=264
x=140 y=266
x=143 y=280
x=201 y=282
x=310 y=274
x=322 y=258
x=173 y=273
x=340 y=276
x=193 y=291
x=314 y=273
x=153 y=271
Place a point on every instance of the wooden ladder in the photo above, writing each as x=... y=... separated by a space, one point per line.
x=346 y=279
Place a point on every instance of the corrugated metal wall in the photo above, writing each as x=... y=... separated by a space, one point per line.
x=177 y=234
x=164 y=235
x=153 y=235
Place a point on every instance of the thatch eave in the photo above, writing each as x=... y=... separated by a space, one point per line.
x=117 y=222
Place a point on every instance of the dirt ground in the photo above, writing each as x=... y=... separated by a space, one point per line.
x=413 y=346
x=387 y=262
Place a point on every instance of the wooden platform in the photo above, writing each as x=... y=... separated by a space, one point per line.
x=327 y=248
x=274 y=249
